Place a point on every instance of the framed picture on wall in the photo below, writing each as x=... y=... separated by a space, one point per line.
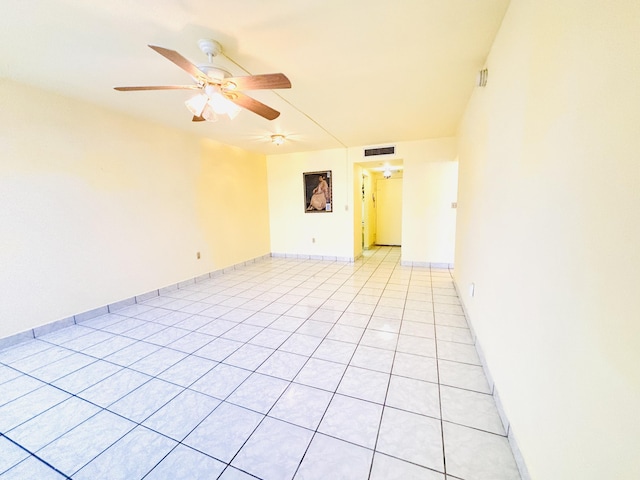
x=317 y=192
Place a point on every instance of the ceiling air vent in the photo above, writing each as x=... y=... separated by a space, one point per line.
x=372 y=152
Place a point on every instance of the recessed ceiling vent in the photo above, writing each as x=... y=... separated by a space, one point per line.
x=372 y=152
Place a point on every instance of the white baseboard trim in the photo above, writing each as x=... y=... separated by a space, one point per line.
x=438 y=265
x=30 y=334
x=517 y=454
x=324 y=258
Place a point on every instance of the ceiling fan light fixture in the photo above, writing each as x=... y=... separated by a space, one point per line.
x=196 y=104
x=209 y=115
x=277 y=139
x=223 y=106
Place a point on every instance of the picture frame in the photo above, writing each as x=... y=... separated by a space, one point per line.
x=318 y=192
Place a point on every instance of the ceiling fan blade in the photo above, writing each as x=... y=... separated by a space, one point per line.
x=253 y=105
x=268 y=81
x=180 y=61
x=159 y=87
x=197 y=118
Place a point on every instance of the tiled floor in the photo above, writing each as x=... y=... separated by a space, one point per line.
x=282 y=369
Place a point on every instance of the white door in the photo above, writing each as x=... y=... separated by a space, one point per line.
x=389 y=211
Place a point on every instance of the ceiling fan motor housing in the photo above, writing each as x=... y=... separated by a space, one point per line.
x=209 y=47
x=217 y=75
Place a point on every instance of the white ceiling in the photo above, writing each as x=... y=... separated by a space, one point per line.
x=363 y=72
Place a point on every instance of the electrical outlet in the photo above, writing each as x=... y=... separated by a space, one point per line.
x=198 y=255
x=313 y=240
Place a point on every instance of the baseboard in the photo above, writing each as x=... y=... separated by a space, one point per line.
x=408 y=263
x=30 y=334
x=517 y=454
x=325 y=258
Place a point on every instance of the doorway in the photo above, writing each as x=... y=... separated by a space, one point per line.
x=389 y=211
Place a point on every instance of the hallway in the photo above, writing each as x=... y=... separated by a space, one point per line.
x=280 y=369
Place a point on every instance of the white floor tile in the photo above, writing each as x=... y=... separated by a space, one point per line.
x=11 y=454
x=414 y=396
x=472 y=409
x=224 y=432
x=329 y=457
x=218 y=349
x=29 y=405
x=321 y=374
x=346 y=333
x=373 y=358
x=182 y=414
x=113 y=388
x=158 y=361
x=283 y=365
x=52 y=423
x=258 y=392
x=145 y=400
x=17 y=387
x=335 y=351
x=411 y=437
x=390 y=468
x=478 y=455
x=249 y=356
x=274 y=450
x=462 y=375
x=131 y=457
x=364 y=384
x=302 y=405
x=458 y=352
x=79 y=446
x=352 y=420
x=221 y=381
x=184 y=462
x=31 y=468
x=415 y=366
x=187 y=370
x=345 y=350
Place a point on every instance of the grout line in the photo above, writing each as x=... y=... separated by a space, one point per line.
x=370 y=266
x=32 y=455
x=435 y=334
x=395 y=351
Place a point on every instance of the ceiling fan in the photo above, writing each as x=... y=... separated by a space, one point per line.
x=220 y=93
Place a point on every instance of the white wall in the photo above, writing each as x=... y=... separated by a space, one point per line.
x=548 y=229
x=292 y=228
x=96 y=207
x=429 y=188
x=428 y=220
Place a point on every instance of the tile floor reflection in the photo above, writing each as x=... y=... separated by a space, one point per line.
x=280 y=369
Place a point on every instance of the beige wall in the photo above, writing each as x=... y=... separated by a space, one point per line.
x=430 y=169
x=429 y=186
x=292 y=229
x=96 y=207
x=548 y=230
x=358 y=210
x=428 y=220
x=370 y=227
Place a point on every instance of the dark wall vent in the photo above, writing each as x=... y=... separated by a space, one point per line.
x=372 y=152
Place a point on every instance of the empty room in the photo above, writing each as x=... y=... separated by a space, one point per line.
x=319 y=240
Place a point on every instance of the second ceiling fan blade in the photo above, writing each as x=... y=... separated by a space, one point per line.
x=180 y=61
x=253 y=105
x=267 y=81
